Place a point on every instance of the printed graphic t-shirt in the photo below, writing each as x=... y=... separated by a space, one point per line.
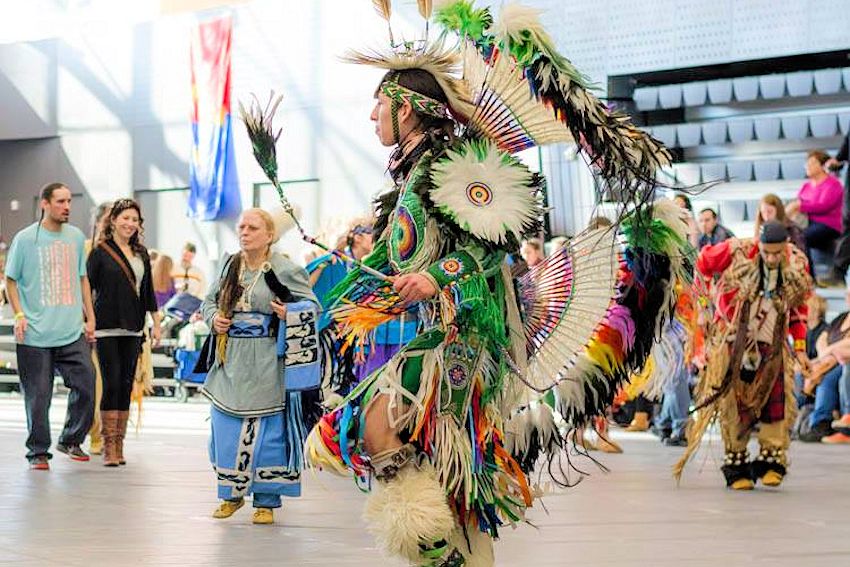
x=48 y=272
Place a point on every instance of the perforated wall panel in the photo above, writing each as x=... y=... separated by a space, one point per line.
x=616 y=37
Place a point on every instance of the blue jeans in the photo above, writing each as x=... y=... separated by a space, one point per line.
x=36 y=370
x=674 y=407
x=798 y=390
x=833 y=393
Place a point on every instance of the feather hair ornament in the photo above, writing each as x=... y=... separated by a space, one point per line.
x=528 y=94
x=425 y=8
x=385 y=10
x=441 y=62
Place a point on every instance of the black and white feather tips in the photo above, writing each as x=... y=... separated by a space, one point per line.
x=486 y=191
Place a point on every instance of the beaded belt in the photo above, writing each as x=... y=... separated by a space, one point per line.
x=252 y=325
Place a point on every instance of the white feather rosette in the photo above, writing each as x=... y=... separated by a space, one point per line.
x=485 y=191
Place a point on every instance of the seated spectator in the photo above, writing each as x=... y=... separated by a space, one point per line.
x=817 y=326
x=188 y=278
x=833 y=352
x=163 y=282
x=820 y=198
x=832 y=393
x=771 y=208
x=842 y=252
x=711 y=232
x=840 y=398
x=532 y=252
x=684 y=202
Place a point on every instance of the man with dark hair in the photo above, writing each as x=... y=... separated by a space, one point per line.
x=49 y=292
x=711 y=232
x=747 y=385
x=187 y=277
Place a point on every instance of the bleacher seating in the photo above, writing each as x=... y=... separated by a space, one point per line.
x=799 y=83
x=746 y=136
x=720 y=91
x=772 y=86
x=795 y=127
x=745 y=89
x=694 y=94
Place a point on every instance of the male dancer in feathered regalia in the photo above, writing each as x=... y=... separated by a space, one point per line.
x=450 y=425
x=759 y=301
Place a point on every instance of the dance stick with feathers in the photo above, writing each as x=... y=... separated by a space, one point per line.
x=258 y=122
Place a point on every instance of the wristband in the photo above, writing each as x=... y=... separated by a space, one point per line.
x=19 y=315
x=800 y=345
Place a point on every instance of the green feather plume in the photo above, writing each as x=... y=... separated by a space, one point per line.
x=462 y=17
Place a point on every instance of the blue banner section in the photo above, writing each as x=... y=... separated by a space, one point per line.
x=214 y=185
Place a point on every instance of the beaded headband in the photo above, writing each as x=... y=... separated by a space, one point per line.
x=419 y=102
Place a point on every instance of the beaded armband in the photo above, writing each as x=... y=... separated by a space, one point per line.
x=452 y=268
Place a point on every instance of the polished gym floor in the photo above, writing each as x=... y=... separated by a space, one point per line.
x=156 y=510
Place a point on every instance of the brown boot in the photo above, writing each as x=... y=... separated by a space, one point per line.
x=109 y=421
x=605 y=444
x=640 y=422
x=581 y=440
x=121 y=432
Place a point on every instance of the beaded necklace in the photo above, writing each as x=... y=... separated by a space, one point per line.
x=244 y=303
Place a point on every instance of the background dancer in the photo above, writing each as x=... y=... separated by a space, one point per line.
x=760 y=300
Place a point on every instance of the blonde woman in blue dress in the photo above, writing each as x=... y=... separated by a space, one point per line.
x=257 y=424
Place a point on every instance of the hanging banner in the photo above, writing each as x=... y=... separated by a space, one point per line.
x=214 y=185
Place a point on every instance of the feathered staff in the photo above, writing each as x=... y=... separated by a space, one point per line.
x=258 y=122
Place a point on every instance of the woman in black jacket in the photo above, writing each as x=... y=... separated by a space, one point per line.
x=119 y=270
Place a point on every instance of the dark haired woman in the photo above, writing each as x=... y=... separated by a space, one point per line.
x=771 y=208
x=120 y=272
x=257 y=427
x=684 y=202
x=99 y=217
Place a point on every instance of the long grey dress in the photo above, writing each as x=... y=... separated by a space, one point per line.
x=248 y=383
x=255 y=446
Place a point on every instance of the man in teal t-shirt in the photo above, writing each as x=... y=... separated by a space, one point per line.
x=49 y=292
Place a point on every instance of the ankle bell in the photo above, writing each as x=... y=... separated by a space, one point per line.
x=386 y=464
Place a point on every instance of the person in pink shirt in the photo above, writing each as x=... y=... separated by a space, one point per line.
x=820 y=198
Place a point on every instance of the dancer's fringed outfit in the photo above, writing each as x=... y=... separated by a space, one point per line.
x=749 y=374
x=458 y=393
